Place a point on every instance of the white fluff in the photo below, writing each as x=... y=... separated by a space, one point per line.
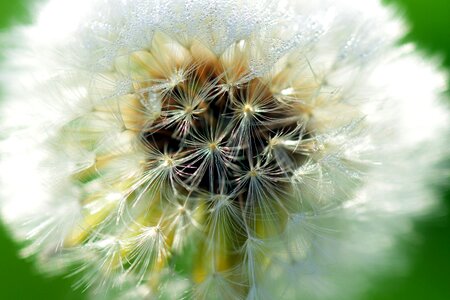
x=377 y=129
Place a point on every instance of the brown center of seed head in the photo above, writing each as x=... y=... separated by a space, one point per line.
x=221 y=132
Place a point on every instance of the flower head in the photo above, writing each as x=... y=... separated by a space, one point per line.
x=216 y=149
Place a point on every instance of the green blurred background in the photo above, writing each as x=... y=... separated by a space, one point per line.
x=428 y=276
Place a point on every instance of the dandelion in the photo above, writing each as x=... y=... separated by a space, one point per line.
x=218 y=149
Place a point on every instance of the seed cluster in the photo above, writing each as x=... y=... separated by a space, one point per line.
x=192 y=147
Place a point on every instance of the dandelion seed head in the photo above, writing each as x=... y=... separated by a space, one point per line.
x=217 y=149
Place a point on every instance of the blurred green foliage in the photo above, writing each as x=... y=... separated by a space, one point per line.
x=428 y=276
